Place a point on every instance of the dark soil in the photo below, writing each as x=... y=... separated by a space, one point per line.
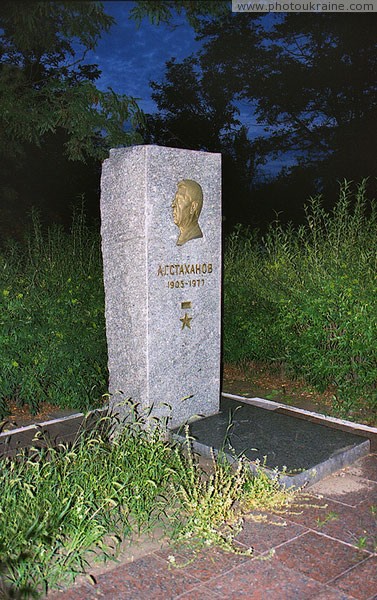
x=248 y=380
x=20 y=416
x=263 y=381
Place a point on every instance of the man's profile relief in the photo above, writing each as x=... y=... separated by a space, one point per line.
x=187 y=206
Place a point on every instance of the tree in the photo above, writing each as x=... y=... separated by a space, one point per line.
x=44 y=84
x=49 y=102
x=195 y=113
x=310 y=80
x=162 y=11
x=51 y=111
x=45 y=87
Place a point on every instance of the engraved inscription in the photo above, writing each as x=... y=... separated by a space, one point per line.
x=183 y=284
x=187 y=206
x=186 y=269
x=173 y=270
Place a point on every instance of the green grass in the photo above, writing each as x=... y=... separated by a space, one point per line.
x=301 y=297
x=306 y=298
x=54 y=520
x=52 y=326
x=52 y=517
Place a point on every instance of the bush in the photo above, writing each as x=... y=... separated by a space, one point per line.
x=52 y=335
x=304 y=297
x=307 y=297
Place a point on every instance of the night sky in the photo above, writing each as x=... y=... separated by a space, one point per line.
x=130 y=56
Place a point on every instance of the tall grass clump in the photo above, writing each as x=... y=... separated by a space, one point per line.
x=52 y=328
x=306 y=297
x=64 y=507
x=60 y=503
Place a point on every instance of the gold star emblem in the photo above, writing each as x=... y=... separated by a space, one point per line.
x=186 y=321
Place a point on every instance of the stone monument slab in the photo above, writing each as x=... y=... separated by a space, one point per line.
x=301 y=451
x=161 y=245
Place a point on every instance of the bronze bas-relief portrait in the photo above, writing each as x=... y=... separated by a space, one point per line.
x=187 y=206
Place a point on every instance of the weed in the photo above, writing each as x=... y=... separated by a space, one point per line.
x=208 y=502
x=362 y=542
x=51 y=516
x=305 y=297
x=272 y=395
x=52 y=340
x=213 y=504
x=331 y=516
x=54 y=520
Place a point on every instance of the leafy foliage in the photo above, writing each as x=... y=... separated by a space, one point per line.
x=193 y=114
x=309 y=80
x=53 y=520
x=44 y=86
x=53 y=345
x=306 y=297
x=162 y=11
x=190 y=106
x=305 y=84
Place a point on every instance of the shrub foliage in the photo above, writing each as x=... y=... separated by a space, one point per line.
x=52 y=327
x=306 y=297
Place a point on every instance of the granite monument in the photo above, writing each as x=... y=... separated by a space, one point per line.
x=161 y=245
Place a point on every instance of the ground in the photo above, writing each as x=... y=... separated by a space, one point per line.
x=249 y=380
x=258 y=380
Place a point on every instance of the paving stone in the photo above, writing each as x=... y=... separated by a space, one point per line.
x=345 y=523
x=146 y=578
x=347 y=488
x=307 y=563
x=81 y=592
x=265 y=579
x=200 y=593
x=360 y=581
x=365 y=467
x=318 y=556
x=206 y=564
x=264 y=536
x=331 y=594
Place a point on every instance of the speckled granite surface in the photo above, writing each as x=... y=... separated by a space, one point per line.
x=316 y=554
x=283 y=439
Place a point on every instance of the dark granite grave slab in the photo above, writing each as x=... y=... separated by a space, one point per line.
x=300 y=450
